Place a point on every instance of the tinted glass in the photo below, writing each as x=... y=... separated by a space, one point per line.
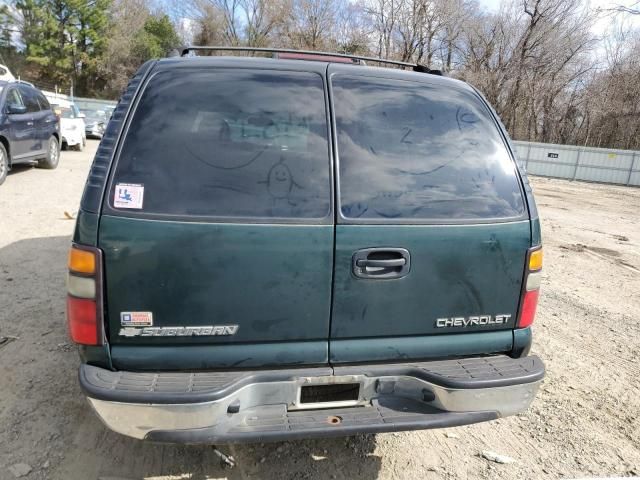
x=42 y=101
x=30 y=99
x=415 y=151
x=14 y=98
x=230 y=143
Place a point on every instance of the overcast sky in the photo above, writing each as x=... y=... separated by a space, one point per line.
x=493 y=4
x=601 y=25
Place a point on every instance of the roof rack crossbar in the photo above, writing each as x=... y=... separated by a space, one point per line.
x=416 y=67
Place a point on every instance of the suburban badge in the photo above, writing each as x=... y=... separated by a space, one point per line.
x=209 y=330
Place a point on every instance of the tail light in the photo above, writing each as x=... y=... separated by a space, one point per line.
x=84 y=295
x=531 y=289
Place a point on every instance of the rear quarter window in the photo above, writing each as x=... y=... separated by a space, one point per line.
x=229 y=143
x=30 y=99
x=418 y=151
x=14 y=97
x=42 y=101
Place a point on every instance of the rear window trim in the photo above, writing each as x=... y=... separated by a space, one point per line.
x=521 y=175
x=342 y=220
x=108 y=209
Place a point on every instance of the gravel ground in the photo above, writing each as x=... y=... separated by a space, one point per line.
x=583 y=423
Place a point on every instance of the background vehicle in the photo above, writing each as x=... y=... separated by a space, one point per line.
x=95 y=123
x=232 y=280
x=29 y=130
x=72 y=127
x=108 y=112
x=5 y=74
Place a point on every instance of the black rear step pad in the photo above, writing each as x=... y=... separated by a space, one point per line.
x=197 y=387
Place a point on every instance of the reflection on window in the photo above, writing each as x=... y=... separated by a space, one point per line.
x=13 y=98
x=411 y=150
x=284 y=130
x=230 y=143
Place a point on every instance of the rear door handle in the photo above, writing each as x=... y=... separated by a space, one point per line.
x=363 y=262
x=29 y=124
x=381 y=263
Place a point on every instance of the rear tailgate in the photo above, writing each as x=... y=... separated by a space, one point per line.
x=432 y=231
x=217 y=229
x=219 y=295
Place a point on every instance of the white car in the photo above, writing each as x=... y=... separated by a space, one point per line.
x=5 y=74
x=72 y=127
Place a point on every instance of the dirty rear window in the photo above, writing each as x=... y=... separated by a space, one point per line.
x=409 y=150
x=227 y=143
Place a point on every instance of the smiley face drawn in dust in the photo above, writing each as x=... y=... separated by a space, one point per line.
x=280 y=182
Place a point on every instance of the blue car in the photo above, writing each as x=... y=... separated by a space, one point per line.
x=29 y=129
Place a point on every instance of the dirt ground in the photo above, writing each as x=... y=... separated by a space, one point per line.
x=585 y=421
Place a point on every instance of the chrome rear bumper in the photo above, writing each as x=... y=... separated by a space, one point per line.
x=262 y=406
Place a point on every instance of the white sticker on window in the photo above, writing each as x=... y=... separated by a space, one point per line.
x=128 y=195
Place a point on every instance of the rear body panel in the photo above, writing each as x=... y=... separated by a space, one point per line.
x=425 y=170
x=456 y=271
x=293 y=303
x=272 y=281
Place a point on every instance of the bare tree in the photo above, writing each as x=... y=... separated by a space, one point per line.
x=634 y=9
x=311 y=24
x=211 y=25
x=261 y=18
x=384 y=17
x=127 y=18
x=353 y=30
x=538 y=62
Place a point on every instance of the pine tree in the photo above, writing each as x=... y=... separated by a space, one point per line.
x=91 y=40
x=9 y=54
x=157 y=38
x=65 y=39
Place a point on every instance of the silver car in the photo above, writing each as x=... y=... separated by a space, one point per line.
x=95 y=123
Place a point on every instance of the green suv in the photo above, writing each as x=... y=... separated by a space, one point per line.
x=274 y=248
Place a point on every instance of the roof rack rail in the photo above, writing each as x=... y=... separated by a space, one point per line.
x=184 y=51
x=24 y=82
